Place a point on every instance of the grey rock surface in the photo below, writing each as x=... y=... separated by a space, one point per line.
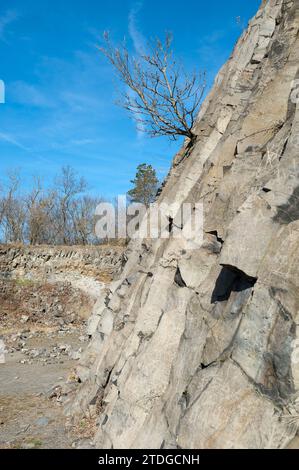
x=208 y=359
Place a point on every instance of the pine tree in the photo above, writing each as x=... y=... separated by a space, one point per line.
x=145 y=185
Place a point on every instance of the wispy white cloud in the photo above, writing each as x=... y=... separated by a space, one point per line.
x=136 y=35
x=214 y=36
x=211 y=52
x=64 y=109
x=139 y=43
x=79 y=142
x=73 y=143
x=5 y=21
x=27 y=94
x=80 y=101
x=12 y=140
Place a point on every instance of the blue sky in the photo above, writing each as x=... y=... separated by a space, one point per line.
x=60 y=92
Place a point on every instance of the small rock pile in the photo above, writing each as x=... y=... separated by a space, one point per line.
x=49 y=304
x=49 y=350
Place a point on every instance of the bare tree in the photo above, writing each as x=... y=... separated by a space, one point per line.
x=40 y=213
x=62 y=214
x=13 y=209
x=162 y=97
x=68 y=187
x=84 y=219
x=34 y=218
x=2 y=206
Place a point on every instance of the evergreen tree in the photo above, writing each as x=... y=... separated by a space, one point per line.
x=145 y=185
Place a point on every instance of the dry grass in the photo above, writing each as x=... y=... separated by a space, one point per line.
x=85 y=428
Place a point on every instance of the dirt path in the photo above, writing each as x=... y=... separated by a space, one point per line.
x=44 y=332
x=31 y=411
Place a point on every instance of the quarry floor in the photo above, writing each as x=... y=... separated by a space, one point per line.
x=31 y=397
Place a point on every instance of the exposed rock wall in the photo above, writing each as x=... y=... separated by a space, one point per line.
x=98 y=262
x=195 y=348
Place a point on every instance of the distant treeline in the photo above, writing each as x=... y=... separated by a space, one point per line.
x=62 y=214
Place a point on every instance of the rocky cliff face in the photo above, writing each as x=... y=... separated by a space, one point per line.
x=197 y=348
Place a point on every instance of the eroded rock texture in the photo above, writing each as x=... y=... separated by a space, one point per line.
x=43 y=261
x=195 y=348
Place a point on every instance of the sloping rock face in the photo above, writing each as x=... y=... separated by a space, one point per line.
x=197 y=348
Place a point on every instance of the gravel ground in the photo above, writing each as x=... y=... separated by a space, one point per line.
x=35 y=378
